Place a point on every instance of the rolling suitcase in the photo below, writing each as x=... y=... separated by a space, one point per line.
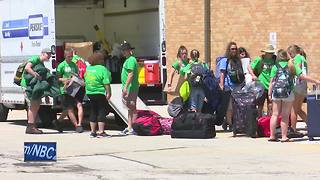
x=245 y=113
x=313 y=120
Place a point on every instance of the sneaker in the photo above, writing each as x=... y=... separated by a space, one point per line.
x=131 y=132
x=31 y=129
x=93 y=134
x=79 y=129
x=58 y=126
x=124 y=132
x=103 y=134
x=127 y=131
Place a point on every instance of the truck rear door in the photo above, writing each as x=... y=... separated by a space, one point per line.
x=26 y=28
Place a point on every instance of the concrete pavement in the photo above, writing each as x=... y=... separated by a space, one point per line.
x=136 y=157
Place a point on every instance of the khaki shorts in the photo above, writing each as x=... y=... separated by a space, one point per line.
x=301 y=88
x=28 y=101
x=130 y=101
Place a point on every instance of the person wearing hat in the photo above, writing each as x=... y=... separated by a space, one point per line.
x=260 y=70
x=34 y=104
x=130 y=85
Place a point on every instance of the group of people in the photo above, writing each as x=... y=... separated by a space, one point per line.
x=282 y=73
x=96 y=86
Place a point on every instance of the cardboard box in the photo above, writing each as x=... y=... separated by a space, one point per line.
x=83 y=49
x=175 y=85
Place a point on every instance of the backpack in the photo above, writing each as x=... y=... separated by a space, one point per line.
x=196 y=76
x=18 y=76
x=212 y=90
x=175 y=107
x=236 y=73
x=218 y=61
x=281 y=82
x=81 y=68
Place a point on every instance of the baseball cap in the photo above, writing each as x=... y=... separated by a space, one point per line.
x=46 y=50
x=126 y=46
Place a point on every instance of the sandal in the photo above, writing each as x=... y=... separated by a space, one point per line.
x=286 y=140
x=273 y=140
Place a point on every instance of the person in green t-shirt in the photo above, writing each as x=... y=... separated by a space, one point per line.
x=130 y=85
x=65 y=71
x=97 y=84
x=197 y=95
x=283 y=106
x=178 y=65
x=300 y=88
x=34 y=104
x=260 y=69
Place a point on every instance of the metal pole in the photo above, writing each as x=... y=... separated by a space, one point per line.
x=207 y=32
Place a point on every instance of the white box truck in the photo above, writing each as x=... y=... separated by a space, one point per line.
x=29 y=26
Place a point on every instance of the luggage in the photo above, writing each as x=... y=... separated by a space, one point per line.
x=313 y=121
x=175 y=107
x=166 y=125
x=264 y=126
x=212 y=90
x=196 y=76
x=18 y=76
x=147 y=123
x=245 y=113
x=281 y=82
x=193 y=125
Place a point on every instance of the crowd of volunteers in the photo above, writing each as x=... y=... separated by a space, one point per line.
x=282 y=74
x=94 y=82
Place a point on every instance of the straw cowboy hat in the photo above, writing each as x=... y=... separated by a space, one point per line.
x=269 y=49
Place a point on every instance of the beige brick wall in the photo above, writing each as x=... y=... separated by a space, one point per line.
x=247 y=22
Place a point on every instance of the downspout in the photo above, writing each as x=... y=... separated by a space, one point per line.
x=207 y=32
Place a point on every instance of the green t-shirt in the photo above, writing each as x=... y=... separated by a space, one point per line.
x=130 y=65
x=301 y=62
x=34 y=60
x=263 y=66
x=284 y=63
x=65 y=70
x=96 y=77
x=176 y=66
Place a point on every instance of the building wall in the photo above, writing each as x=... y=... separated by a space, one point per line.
x=247 y=22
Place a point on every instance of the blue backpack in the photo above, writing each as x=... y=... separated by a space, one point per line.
x=218 y=61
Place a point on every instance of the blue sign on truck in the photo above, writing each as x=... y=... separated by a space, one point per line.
x=40 y=151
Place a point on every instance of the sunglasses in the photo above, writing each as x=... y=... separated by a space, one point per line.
x=233 y=49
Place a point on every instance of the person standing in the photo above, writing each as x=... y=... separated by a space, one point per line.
x=179 y=64
x=281 y=91
x=65 y=71
x=300 y=88
x=245 y=61
x=194 y=72
x=231 y=77
x=260 y=69
x=97 y=84
x=130 y=85
x=34 y=104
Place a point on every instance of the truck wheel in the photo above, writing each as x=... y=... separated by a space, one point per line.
x=46 y=115
x=3 y=113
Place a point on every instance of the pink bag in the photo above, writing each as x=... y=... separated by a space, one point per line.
x=166 y=125
x=264 y=126
x=147 y=123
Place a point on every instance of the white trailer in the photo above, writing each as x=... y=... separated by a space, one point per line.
x=28 y=26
